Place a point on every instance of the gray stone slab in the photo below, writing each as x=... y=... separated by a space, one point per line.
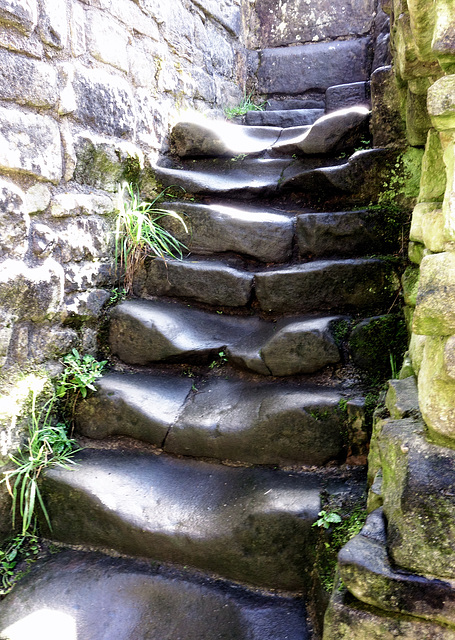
x=94 y=597
x=142 y=332
x=294 y=70
x=366 y=571
x=301 y=346
x=295 y=103
x=323 y=285
x=261 y=233
x=136 y=405
x=260 y=424
x=251 y=525
x=341 y=233
x=283 y=118
x=402 y=399
x=202 y=280
x=341 y=96
x=218 y=138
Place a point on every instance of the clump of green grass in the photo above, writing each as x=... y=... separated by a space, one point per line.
x=139 y=232
x=245 y=105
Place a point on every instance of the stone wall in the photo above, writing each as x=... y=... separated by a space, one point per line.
x=88 y=89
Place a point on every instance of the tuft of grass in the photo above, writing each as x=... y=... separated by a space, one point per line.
x=139 y=232
x=245 y=105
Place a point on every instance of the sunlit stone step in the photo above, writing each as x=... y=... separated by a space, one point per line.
x=283 y=118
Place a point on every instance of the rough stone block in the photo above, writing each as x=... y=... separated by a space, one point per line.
x=90 y=274
x=53 y=24
x=448 y=205
x=410 y=283
x=104 y=102
x=433 y=231
x=313 y=66
x=74 y=204
x=14 y=221
x=437 y=386
x=435 y=308
x=106 y=40
x=422 y=20
x=416 y=252
x=416 y=349
x=341 y=96
x=416 y=474
x=225 y=13
x=443 y=42
x=407 y=61
x=387 y=122
x=21 y=14
x=402 y=399
x=77 y=30
x=135 y=16
x=80 y=238
x=441 y=103
x=30 y=143
x=28 y=82
x=31 y=293
x=86 y=305
x=37 y=198
x=417 y=119
x=296 y=21
x=16 y=41
x=433 y=180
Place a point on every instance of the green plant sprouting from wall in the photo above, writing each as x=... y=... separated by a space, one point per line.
x=245 y=105
x=139 y=232
x=47 y=445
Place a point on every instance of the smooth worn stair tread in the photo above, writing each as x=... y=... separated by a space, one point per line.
x=283 y=118
x=248 y=524
x=225 y=419
x=132 y=405
x=144 y=332
x=124 y=599
x=258 y=232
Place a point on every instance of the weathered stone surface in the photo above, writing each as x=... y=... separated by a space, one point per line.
x=320 y=285
x=441 y=103
x=217 y=138
x=22 y=14
x=366 y=571
x=262 y=233
x=297 y=21
x=104 y=102
x=433 y=180
x=448 y=205
x=348 y=619
x=74 y=204
x=31 y=293
x=416 y=474
x=416 y=252
x=86 y=305
x=77 y=30
x=135 y=14
x=443 y=42
x=30 y=143
x=142 y=332
x=340 y=129
x=408 y=63
x=26 y=81
x=106 y=40
x=433 y=231
x=251 y=525
x=342 y=233
x=53 y=25
x=89 y=274
x=17 y=41
x=202 y=280
x=301 y=346
x=437 y=386
x=140 y=406
x=410 y=283
x=417 y=119
x=37 y=198
x=387 y=120
x=130 y=599
x=435 y=307
x=14 y=221
x=402 y=399
x=225 y=13
x=416 y=350
x=295 y=70
x=422 y=20
x=382 y=54
x=295 y=103
x=260 y=424
x=342 y=96
x=283 y=118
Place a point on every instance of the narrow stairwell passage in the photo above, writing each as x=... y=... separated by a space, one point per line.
x=233 y=413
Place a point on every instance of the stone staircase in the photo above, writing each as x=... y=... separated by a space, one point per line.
x=232 y=406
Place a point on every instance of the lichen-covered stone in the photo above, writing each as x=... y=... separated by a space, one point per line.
x=435 y=306
x=387 y=121
x=433 y=231
x=443 y=42
x=416 y=349
x=422 y=17
x=448 y=205
x=433 y=181
x=402 y=398
x=21 y=14
x=30 y=143
x=407 y=61
x=410 y=282
x=416 y=252
x=437 y=386
x=14 y=221
x=441 y=103
x=73 y=204
x=28 y=82
x=377 y=342
x=417 y=119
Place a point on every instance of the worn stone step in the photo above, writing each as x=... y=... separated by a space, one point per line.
x=354 y=94
x=247 y=524
x=322 y=285
x=309 y=67
x=144 y=332
x=285 y=103
x=367 y=572
x=283 y=117
x=225 y=419
x=342 y=285
x=258 y=232
x=76 y=594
